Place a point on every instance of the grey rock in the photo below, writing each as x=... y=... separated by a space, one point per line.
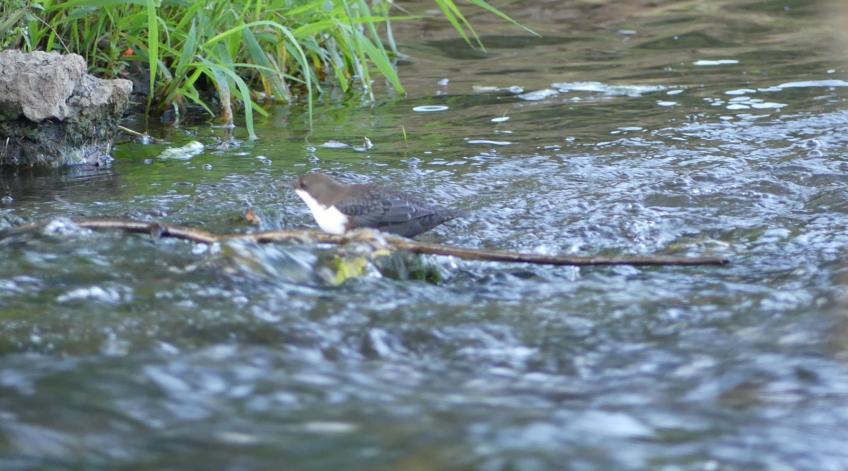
x=53 y=113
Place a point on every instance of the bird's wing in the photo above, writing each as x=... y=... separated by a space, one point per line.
x=380 y=208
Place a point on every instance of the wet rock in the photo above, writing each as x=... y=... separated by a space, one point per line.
x=53 y=113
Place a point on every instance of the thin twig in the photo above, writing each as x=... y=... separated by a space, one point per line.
x=540 y=259
x=389 y=241
x=153 y=228
x=136 y=133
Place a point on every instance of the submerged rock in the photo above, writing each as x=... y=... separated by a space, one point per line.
x=53 y=113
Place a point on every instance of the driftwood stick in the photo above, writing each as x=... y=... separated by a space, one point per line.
x=140 y=135
x=540 y=259
x=152 y=228
x=379 y=239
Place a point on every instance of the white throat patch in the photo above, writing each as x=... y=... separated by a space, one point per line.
x=329 y=219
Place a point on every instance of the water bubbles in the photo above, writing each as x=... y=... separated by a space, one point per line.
x=232 y=438
x=332 y=144
x=92 y=293
x=207 y=167
x=611 y=424
x=538 y=94
x=199 y=249
x=709 y=63
x=814 y=84
x=114 y=346
x=766 y=105
x=185 y=152
x=263 y=160
x=744 y=103
x=166 y=348
x=740 y=91
x=631 y=128
x=514 y=89
x=63 y=227
x=812 y=143
x=607 y=89
x=430 y=108
x=666 y=103
x=500 y=119
x=7 y=200
x=489 y=142
x=366 y=145
x=329 y=428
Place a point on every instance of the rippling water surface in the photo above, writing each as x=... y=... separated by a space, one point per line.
x=687 y=128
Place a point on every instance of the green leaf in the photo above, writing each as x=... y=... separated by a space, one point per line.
x=152 y=47
x=381 y=60
x=244 y=91
x=484 y=5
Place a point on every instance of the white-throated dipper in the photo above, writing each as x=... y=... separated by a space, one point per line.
x=337 y=207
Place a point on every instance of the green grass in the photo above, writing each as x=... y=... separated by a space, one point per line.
x=242 y=52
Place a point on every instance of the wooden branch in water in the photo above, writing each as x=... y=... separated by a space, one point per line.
x=378 y=239
x=140 y=135
x=540 y=259
x=155 y=229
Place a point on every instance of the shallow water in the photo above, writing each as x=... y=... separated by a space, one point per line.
x=122 y=350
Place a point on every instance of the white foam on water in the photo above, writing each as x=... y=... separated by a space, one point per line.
x=704 y=62
x=334 y=145
x=813 y=84
x=767 y=105
x=185 y=152
x=745 y=102
x=741 y=91
x=607 y=89
x=488 y=142
x=514 y=89
x=430 y=108
x=538 y=94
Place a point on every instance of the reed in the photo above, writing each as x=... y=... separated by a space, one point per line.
x=244 y=52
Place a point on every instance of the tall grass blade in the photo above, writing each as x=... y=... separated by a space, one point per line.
x=485 y=6
x=152 y=48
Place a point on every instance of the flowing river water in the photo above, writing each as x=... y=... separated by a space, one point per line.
x=664 y=127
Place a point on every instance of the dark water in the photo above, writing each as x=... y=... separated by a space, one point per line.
x=124 y=351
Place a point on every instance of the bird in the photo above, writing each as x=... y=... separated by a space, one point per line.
x=339 y=207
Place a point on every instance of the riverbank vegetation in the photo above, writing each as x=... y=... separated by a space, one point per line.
x=217 y=52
